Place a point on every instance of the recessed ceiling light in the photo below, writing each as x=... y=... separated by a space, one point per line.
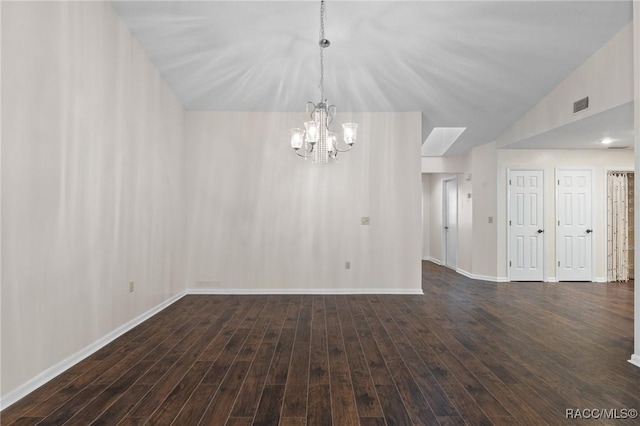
x=606 y=141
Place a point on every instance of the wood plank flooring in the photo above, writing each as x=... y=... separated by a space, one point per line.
x=467 y=352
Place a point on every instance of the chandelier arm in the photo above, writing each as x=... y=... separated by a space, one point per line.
x=331 y=111
x=307 y=150
x=314 y=111
x=345 y=150
x=310 y=151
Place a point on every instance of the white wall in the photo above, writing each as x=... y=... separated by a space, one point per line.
x=606 y=77
x=635 y=358
x=450 y=164
x=426 y=215
x=433 y=230
x=484 y=236
x=0 y=202
x=476 y=177
x=261 y=218
x=465 y=222
x=598 y=161
x=92 y=193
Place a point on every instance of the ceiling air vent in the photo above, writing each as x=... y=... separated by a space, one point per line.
x=617 y=147
x=581 y=104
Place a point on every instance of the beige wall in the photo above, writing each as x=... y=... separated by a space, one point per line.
x=92 y=192
x=484 y=236
x=1 y=393
x=598 y=161
x=433 y=204
x=476 y=177
x=636 y=61
x=426 y=215
x=606 y=77
x=261 y=218
x=465 y=223
x=433 y=190
x=482 y=245
x=451 y=164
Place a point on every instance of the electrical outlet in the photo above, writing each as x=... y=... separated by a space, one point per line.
x=490 y=219
x=364 y=220
x=347 y=265
x=131 y=286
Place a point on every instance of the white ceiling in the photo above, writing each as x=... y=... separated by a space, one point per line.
x=479 y=65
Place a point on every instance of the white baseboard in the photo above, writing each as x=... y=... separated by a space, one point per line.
x=465 y=273
x=470 y=275
x=480 y=277
x=319 y=291
x=595 y=280
x=635 y=360
x=52 y=372
x=69 y=362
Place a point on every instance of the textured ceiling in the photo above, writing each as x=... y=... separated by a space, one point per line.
x=479 y=65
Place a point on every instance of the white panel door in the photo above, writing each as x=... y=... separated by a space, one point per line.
x=526 y=225
x=450 y=223
x=574 y=235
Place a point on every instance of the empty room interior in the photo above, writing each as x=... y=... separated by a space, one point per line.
x=316 y=212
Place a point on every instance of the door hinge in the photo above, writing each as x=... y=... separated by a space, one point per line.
x=509 y=181
x=558 y=263
x=509 y=263
x=509 y=223
x=558 y=182
x=558 y=223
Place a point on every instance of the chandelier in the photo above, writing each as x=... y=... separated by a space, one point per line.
x=316 y=141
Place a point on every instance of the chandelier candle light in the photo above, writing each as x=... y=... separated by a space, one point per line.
x=316 y=140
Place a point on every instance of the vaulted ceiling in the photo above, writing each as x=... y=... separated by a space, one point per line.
x=477 y=64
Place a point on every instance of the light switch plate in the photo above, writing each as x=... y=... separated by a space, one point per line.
x=364 y=220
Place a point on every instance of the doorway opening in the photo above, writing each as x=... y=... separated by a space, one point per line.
x=450 y=222
x=620 y=225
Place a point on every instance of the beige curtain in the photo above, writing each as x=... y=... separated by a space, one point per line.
x=617 y=227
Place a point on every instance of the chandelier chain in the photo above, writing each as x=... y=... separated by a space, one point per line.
x=321 y=85
x=321 y=19
x=316 y=140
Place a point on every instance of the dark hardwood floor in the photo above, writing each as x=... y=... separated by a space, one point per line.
x=467 y=352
